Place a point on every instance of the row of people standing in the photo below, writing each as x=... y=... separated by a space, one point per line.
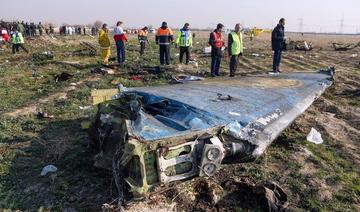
x=27 y=30
x=184 y=39
x=72 y=30
x=164 y=38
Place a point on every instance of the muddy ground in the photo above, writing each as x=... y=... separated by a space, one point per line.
x=321 y=177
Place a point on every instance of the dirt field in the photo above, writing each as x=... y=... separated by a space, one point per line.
x=322 y=177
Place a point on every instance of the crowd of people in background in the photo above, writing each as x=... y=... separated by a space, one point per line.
x=15 y=33
x=27 y=29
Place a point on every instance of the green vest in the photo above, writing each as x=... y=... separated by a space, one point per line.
x=237 y=46
x=181 y=39
x=17 y=38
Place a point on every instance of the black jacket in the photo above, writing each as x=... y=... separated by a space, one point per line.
x=277 y=38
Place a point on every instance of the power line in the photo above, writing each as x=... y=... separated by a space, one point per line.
x=341 y=25
x=301 y=24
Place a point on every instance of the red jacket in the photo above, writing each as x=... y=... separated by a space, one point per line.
x=5 y=36
x=121 y=37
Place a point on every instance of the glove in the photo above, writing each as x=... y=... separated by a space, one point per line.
x=241 y=54
x=157 y=42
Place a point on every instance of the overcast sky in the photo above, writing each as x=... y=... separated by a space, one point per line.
x=316 y=15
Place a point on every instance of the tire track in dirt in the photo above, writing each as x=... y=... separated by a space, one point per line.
x=317 y=63
x=253 y=63
x=244 y=65
x=330 y=62
x=300 y=61
x=338 y=59
x=295 y=66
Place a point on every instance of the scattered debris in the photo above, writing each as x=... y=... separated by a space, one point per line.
x=194 y=64
x=99 y=96
x=36 y=75
x=344 y=47
x=88 y=107
x=354 y=55
x=122 y=88
x=207 y=50
x=263 y=196
x=48 y=169
x=314 y=136
x=224 y=97
x=87 y=49
x=176 y=132
x=69 y=63
x=102 y=71
x=64 y=76
x=135 y=77
x=185 y=78
x=300 y=45
x=42 y=115
x=41 y=57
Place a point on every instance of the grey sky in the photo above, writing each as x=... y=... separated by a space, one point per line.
x=317 y=15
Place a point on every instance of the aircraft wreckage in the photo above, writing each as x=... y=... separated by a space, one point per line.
x=150 y=136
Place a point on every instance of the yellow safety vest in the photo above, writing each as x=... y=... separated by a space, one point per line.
x=237 y=46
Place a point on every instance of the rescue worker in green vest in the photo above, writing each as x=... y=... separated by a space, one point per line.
x=17 y=41
x=235 y=48
x=184 y=40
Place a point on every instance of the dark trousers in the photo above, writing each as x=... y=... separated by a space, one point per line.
x=120 y=48
x=142 y=47
x=276 y=59
x=184 y=50
x=215 y=62
x=15 y=48
x=233 y=64
x=164 y=54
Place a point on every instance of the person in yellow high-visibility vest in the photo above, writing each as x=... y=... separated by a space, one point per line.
x=17 y=40
x=104 y=42
x=235 y=48
x=184 y=40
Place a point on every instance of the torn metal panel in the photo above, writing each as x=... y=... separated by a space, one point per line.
x=345 y=47
x=175 y=132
